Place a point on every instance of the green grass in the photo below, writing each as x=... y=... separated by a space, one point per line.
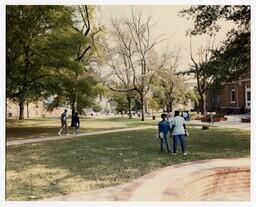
x=40 y=170
x=33 y=128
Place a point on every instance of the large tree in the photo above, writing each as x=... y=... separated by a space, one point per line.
x=169 y=87
x=203 y=71
x=136 y=50
x=27 y=27
x=233 y=58
x=76 y=53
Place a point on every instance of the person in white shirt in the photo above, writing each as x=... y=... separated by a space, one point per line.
x=178 y=133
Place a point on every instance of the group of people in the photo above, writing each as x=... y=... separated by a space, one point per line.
x=177 y=128
x=75 y=122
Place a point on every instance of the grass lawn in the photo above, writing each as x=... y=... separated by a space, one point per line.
x=31 y=128
x=40 y=170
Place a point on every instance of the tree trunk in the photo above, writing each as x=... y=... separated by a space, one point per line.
x=203 y=103
x=146 y=106
x=169 y=107
x=129 y=106
x=21 y=113
x=142 y=99
x=27 y=109
x=74 y=106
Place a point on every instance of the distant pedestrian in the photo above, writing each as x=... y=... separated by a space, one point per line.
x=63 y=119
x=185 y=115
x=163 y=129
x=170 y=118
x=178 y=133
x=76 y=123
x=210 y=118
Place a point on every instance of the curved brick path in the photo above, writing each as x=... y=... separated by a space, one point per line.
x=165 y=183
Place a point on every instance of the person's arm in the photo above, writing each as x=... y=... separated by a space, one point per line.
x=159 y=131
x=184 y=125
x=173 y=125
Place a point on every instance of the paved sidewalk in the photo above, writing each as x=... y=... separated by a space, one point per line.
x=156 y=185
x=230 y=123
x=104 y=194
x=71 y=136
x=224 y=124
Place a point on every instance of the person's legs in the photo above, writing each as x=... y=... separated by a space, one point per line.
x=174 y=143
x=182 y=143
x=166 y=143
x=76 y=128
x=161 y=144
x=66 y=127
x=61 y=129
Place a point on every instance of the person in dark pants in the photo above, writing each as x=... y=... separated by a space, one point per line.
x=163 y=129
x=63 y=119
x=178 y=133
x=76 y=123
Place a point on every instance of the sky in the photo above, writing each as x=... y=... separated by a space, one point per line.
x=170 y=24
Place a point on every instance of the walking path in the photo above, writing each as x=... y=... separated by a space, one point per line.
x=224 y=124
x=71 y=136
x=171 y=183
x=232 y=122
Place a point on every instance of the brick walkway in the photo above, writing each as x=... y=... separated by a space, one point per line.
x=187 y=181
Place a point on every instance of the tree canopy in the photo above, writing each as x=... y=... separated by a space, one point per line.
x=232 y=59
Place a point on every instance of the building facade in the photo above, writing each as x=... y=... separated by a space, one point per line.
x=31 y=110
x=233 y=98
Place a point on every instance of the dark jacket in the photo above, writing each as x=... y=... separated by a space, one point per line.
x=75 y=121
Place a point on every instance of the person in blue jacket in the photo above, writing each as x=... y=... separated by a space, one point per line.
x=163 y=129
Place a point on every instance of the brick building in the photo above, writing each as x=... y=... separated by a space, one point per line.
x=233 y=98
x=31 y=110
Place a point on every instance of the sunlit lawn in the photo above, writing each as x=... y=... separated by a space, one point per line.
x=52 y=168
x=30 y=128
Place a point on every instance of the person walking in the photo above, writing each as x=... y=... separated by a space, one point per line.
x=76 y=123
x=178 y=133
x=163 y=129
x=185 y=115
x=63 y=119
x=210 y=118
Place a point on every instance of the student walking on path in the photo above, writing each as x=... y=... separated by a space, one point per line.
x=178 y=133
x=163 y=129
x=76 y=123
x=63 y=119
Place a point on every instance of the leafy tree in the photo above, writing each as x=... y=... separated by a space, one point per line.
x=169 y=88
x=120 y=102
x=75 y=54
x=96 y=108
x=153 y=105
x=26 y=69
x=232 y=59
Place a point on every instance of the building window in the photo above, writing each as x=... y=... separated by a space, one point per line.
x=218 y=99
x=232 y=95
x=248 y=96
